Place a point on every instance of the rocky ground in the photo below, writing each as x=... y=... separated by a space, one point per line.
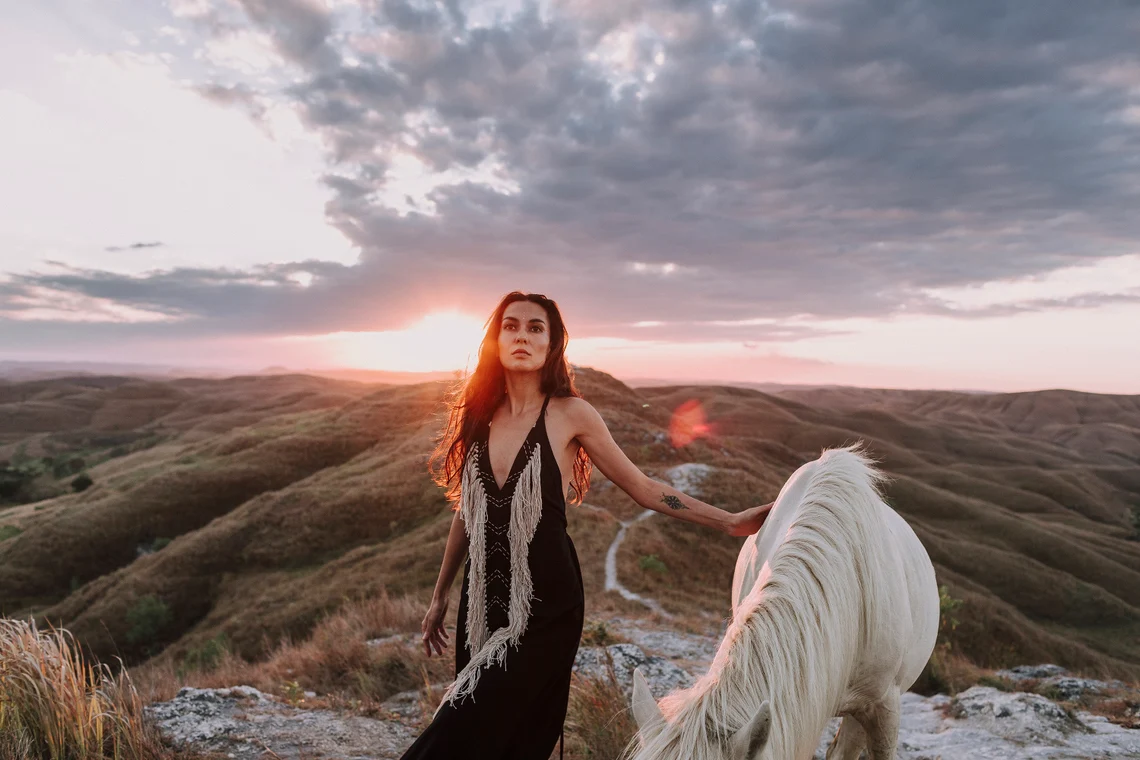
x=982 y=722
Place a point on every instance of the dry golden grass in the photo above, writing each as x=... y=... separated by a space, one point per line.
x=55 y=704
x=947 y=672
x=599 y=721
x=1123 y=711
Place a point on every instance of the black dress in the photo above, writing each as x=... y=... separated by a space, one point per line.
x=520 y=616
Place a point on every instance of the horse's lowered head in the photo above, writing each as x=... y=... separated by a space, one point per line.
x=660 y=740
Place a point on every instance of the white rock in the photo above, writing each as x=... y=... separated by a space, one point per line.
x=687 y=477
x=1024 y=672
x=995 y=725
x=1024 y=718
x=243 y=721
x=661 y=674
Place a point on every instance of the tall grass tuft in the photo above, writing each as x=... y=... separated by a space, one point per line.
x=56 y=706
x=599 y=721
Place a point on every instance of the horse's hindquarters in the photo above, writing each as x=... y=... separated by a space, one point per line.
x=922 y=595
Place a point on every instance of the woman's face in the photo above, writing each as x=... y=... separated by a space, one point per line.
x=524 y=337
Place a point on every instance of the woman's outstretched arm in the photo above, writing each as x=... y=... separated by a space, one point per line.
x=592 y=433
x=434 y=634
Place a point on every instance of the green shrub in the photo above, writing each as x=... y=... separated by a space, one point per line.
x=64 y=466
x=598 y=634
x=7 y=531
x=947 y=619
x=82 y=483
x=205 y=657
x=159 y=543
x=147 y=619
x=651 y=562
x=14 y=480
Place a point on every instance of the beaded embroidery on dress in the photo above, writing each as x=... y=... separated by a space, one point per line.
x=524 y=497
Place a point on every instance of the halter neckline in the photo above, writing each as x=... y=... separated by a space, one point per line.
x=522 y=449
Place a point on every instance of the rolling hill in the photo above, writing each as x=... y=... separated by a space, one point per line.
x=253 y=505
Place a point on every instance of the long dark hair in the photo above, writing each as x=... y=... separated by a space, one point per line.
x=474 y=400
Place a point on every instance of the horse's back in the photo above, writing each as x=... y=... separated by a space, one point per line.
x=901 y=591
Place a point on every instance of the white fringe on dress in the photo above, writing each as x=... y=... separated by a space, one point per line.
x=473 y=510
x=526 y=510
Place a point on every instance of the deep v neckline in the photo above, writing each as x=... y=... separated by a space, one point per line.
x=522 y=448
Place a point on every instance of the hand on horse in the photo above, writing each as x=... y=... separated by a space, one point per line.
x=749 y=521
x=432 y=627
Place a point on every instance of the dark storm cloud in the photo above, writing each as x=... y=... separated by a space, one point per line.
x=828 y=158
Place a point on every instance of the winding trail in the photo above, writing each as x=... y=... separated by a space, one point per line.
x=685 y=478
x=612 y=583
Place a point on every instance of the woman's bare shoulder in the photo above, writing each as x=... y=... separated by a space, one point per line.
x=571 y=406
x=575 y=412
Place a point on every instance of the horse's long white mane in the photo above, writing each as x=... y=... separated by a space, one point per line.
x=795 y=634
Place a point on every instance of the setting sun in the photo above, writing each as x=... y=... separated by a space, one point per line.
x=443 y=341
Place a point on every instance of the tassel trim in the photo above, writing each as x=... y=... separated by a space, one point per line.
x=526 y=509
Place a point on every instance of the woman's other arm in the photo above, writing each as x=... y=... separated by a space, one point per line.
x=434 y=634
x=595 y=437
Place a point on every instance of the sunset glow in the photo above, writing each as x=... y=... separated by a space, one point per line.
x=438 y=342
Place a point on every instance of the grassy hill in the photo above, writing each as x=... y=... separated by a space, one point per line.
x=251 y=506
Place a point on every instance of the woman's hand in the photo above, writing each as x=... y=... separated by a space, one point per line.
x=432 y=627
x=749 y=521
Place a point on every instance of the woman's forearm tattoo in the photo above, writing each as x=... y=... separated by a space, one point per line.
x=672 y=501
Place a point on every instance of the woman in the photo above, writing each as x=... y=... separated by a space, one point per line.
x=521 y=607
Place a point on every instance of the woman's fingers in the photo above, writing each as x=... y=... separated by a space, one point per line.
x=435 y=638
x=434 y=635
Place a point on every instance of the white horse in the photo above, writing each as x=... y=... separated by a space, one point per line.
x=835 y=612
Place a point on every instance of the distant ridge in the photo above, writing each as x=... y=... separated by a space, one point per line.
x=19 y=371
x=23 y=371
x=658 y=382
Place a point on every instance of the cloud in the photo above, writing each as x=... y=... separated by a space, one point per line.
x=684 y=163
x=133 y=246
x=1077 y=301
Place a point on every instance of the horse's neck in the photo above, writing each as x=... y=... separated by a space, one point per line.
x=772 y=659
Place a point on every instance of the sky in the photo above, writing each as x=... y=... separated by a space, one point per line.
x=879 y=193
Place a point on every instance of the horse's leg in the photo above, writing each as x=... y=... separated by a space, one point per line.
x=882 y=726
x=849 y=741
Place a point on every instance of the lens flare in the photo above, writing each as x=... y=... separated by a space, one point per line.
x=688 y=424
